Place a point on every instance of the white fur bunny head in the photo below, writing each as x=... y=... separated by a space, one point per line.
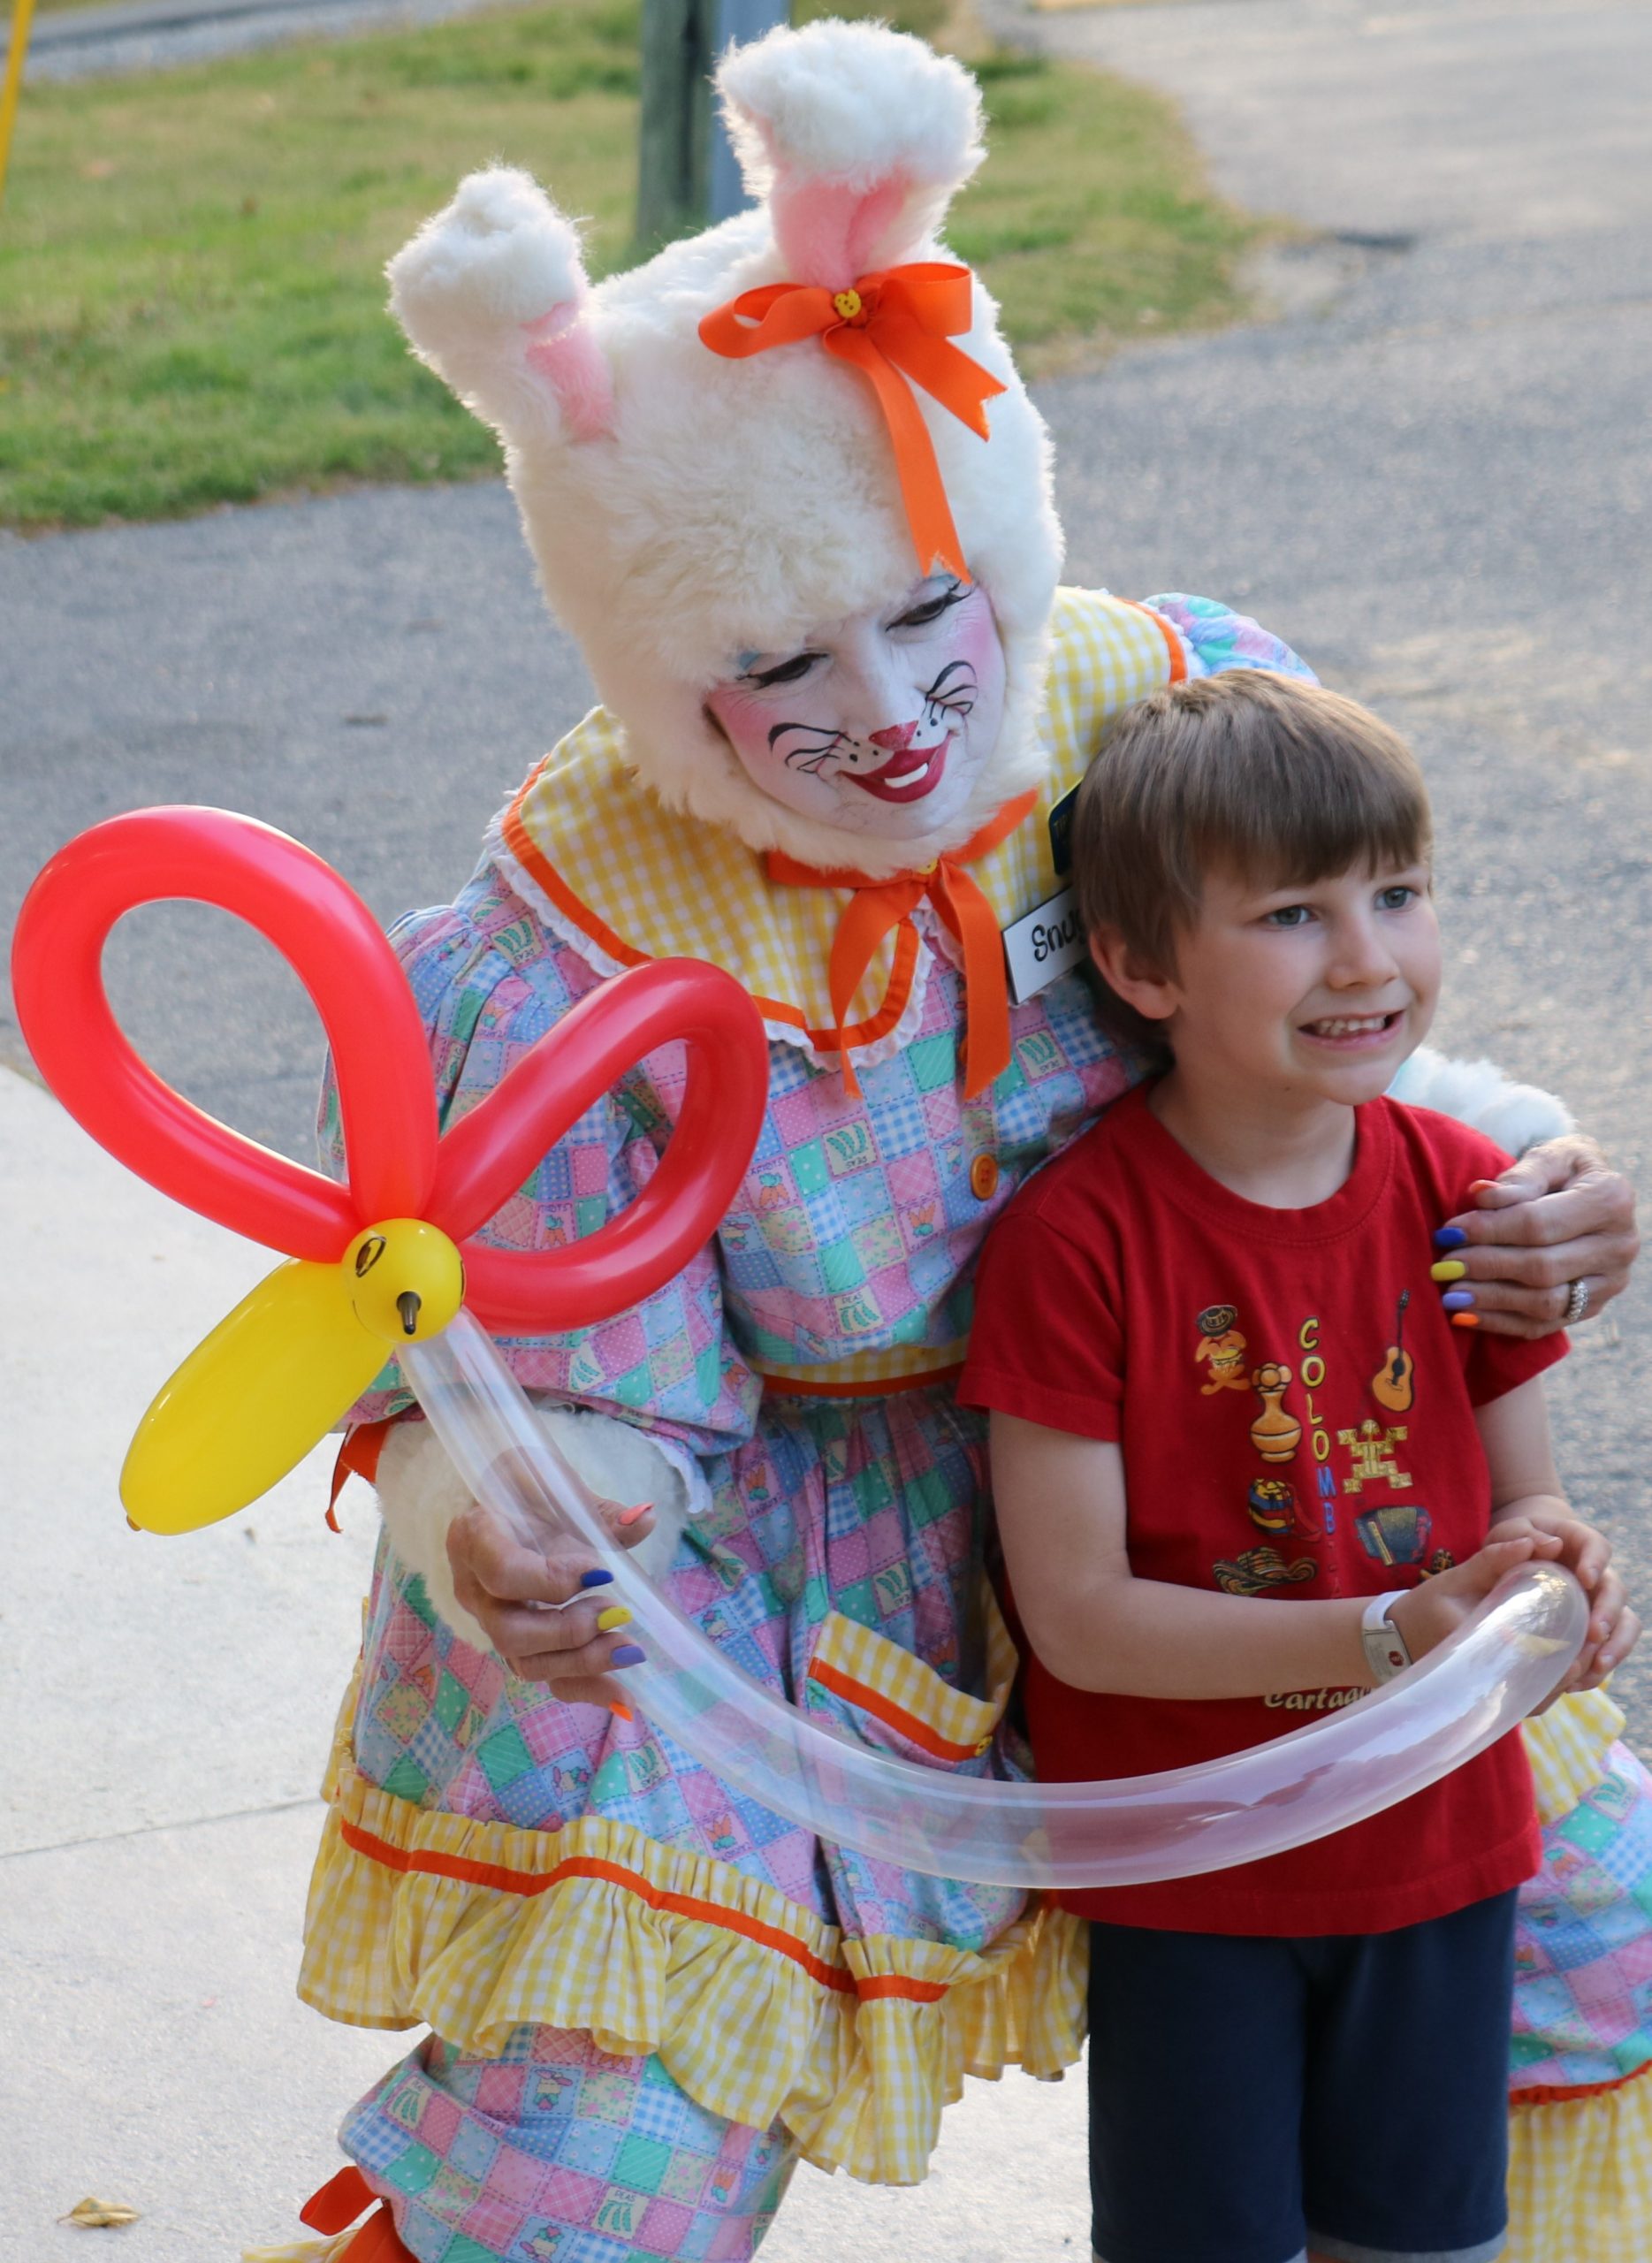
x=684 y=507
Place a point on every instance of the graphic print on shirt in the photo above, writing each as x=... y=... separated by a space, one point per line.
x=1395 y=1534
x=1262 y=1567
x=1399 y=1534
x=1391 y=1385
x=1273 y=1505
x=1370 y=1453
x=1221 y=1344
x=1275 y=1434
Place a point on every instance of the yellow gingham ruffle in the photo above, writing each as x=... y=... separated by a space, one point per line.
x=758 y=2009
x=1580 y=2178
x=1567 y=1747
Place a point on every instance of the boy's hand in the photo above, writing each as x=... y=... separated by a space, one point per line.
x=1427 y=1614
x=516 y=1592
x=1613 y=1629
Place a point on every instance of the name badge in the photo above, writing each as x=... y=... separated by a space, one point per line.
x=1043 y=945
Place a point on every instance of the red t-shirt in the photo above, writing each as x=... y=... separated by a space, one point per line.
x=1296 y=1416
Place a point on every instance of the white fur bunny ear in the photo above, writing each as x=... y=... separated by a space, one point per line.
x=858 y=136
x=490 y=293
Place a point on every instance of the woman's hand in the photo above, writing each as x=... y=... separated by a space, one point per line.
x=1560 y=1215
x=543 y=1607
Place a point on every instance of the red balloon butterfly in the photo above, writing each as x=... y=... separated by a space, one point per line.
x=398 y=1166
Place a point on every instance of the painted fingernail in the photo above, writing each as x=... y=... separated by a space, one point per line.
x=616 y=1615
x=621 y=1712
x=630 y=1516
x=628 y=1654
x=596 y=1578
x=1458 y=1300
x=1448 y=1269
x=1479 y=1185
x=1465 y=1320
x=1449 y=1238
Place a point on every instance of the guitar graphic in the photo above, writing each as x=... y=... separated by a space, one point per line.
x=1390 y=1386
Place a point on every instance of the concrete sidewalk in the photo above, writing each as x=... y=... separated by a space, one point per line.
x=166 y=1709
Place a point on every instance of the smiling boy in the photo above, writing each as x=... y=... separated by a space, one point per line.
x=1305 y=2056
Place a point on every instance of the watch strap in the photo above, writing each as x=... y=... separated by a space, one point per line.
x=1385 y=1647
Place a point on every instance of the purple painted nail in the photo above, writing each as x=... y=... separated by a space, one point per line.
x=1450 y=1238
x=596 y=1578
x=1458 y=1300
x=628 y=1654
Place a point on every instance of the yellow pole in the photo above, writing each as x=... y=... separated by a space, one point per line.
x=22 y=16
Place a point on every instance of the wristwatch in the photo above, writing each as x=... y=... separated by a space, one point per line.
x=1386 y=1653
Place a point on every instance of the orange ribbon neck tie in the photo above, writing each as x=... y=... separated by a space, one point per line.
x=895 y=326
x=876 y=907
x=335 y=2208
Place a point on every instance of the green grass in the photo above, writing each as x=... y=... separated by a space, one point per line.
x=191 y=288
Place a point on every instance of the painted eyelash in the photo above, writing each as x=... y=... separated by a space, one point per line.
x=933 y=609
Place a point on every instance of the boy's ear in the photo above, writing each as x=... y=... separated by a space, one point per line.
x=1131 y=976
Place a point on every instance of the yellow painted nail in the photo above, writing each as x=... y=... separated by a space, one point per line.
x=1448 y=1269
x=616 y=1615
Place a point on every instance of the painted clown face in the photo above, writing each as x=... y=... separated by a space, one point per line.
x=881 y=724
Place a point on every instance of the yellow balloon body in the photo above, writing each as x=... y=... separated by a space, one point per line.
x=273 y=1378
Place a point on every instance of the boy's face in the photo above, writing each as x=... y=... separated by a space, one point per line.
x=1318 y=990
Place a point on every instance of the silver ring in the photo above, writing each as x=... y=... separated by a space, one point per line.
x=1577 y=1304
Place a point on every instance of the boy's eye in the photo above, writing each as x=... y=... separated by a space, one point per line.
x=1395 y=898
x=1288 y=915
x=790 y=671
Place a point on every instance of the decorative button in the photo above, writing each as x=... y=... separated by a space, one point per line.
x=847 y=304
x=984 y=1178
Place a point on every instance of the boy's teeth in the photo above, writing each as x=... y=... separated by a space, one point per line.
x=1349 y=1025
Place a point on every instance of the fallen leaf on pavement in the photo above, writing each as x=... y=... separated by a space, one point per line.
x=100 y=2215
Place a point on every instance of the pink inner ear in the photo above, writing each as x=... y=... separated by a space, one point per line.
x=827 y=233
x=563 y=351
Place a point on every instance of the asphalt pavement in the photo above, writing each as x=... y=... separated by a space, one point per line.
x=1433 y=477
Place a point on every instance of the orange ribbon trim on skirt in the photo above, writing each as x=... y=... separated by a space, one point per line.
x=895 y=326
x=876 y=907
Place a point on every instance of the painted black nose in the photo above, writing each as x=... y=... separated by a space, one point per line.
x=407 y=1305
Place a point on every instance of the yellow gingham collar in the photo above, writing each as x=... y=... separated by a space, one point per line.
x=623 y=880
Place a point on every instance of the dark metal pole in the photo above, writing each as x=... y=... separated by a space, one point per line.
x=686 y=174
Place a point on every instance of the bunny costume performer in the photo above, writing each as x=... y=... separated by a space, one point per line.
x=647 y=1997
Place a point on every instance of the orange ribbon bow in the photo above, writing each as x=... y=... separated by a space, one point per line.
x=895 y=327
x=877 y=906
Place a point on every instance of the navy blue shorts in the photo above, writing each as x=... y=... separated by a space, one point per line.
x=1250 y=2099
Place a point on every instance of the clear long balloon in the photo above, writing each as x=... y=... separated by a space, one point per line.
x=1501 y=1665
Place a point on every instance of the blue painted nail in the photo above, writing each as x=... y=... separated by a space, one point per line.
x=598 y=1579
x=628 y=1654
x=1459 y=1299
x=1450 y=1238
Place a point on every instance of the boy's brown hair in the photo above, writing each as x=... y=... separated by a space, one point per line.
x=1247 y=772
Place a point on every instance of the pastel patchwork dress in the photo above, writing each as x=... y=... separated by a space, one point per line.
x=647 y=1995
x=1580 y=2073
